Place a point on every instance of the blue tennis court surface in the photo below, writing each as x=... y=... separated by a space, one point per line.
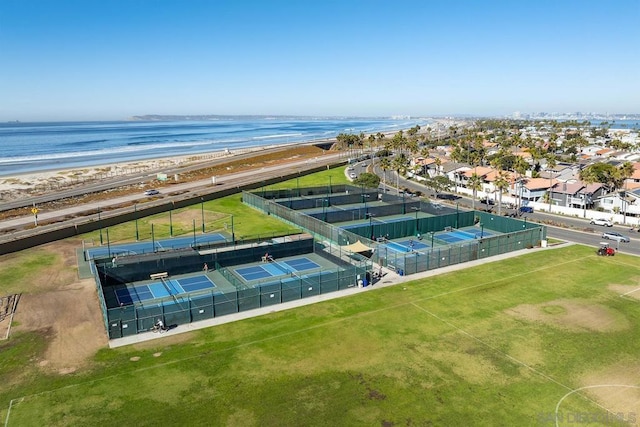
x=376 y=222
x=171 y=287
x=196 y=283
x=135 y=248
x=276 y=268
x=461 y=235
x=407 y=245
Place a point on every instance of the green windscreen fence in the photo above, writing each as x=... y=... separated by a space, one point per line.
x=140 y=315
x=504 y=234
x=413 y=219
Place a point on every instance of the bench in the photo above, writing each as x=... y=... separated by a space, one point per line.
x=391 y=267
x=159 y=275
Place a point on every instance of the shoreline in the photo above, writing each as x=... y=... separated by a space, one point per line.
x=22 y=185
x=15 y=186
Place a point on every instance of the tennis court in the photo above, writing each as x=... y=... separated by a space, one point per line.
x=162 y=289
x=407 y=245
x=135 y=248
x=375 y=221
x=461 y=235
x=276 y=268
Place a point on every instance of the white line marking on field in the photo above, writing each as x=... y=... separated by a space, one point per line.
x=513 y=359
x=588 y=387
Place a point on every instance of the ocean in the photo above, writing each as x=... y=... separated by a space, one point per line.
x=33 y=147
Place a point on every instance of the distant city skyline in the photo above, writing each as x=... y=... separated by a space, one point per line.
x=69 y=60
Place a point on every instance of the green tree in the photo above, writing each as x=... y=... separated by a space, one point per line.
x=385 y=165
x=439 y=183
x=368 y=180
x=501 y=183
x=399 y=164
x=475 y=184
x=626 y=170
x=551 y=163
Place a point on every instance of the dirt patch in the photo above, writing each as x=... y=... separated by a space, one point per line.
x=66 y=307
x=629 y=291
x=167 y=341
x=615 y=387
x=573 y=315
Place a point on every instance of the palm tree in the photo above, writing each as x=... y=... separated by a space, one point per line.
x=385 y=164
x=399 y=165
x=626 y=170
x=475 y=184
x=501 y=183
x=520 y=166
x=372 y=140
x=551 y=163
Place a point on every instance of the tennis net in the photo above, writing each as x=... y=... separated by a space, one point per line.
x=282 y=267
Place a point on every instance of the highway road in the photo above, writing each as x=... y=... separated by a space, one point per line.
x=11 y=228
x=132 y=179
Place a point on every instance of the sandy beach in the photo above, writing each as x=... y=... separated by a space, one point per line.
x=15 y=187
x=31 y=184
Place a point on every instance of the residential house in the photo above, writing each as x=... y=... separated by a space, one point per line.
x=575 y=194
x=531 y=189
x=424 y=166
x=452 y=169
x=625 y=202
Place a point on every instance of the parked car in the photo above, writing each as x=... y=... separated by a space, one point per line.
x=601 y=221
x=612 y=235
x=352 y=175
x=151 y=192
x=446 y=196
x=487 y=201
x=526 y=209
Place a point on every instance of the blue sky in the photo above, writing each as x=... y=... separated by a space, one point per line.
x=108 y=60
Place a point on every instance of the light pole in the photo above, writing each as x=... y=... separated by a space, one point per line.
x=202 y=211
x=416 y=209
x=404 y=206
x=481 y=230
x=135 y=214
x=170 y=222
x=364 y=200
x=370 y=215
x=100 y=225
x=325 y=203
x=433 y=234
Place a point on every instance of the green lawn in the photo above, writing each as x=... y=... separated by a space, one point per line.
x=497 y=344
x=247 y=222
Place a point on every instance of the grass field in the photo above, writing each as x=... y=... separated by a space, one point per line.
x=248 y=223
x=504 y=343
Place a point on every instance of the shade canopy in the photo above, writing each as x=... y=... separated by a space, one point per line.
x=357 y=247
